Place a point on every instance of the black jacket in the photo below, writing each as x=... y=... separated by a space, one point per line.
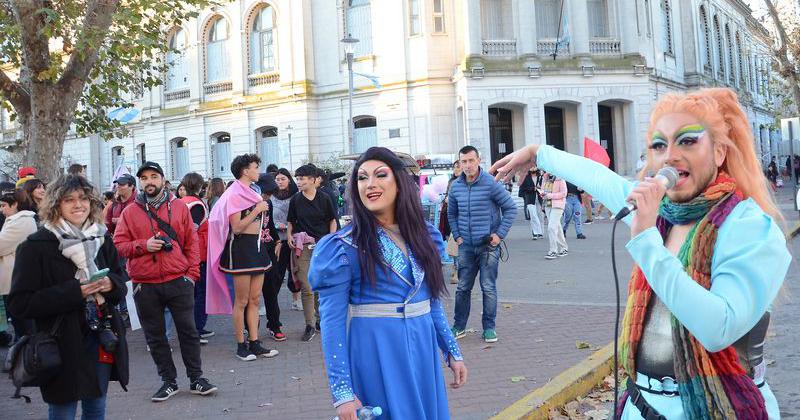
x=43 y=285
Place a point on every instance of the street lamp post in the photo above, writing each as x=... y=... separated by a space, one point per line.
x=289 y=131
x=349 y=47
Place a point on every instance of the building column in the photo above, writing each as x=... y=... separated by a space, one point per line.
x=472 y=27
x=628 y=36
x=579 y=26
x=526 y=38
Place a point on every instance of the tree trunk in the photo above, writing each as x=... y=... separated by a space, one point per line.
x=45 y=129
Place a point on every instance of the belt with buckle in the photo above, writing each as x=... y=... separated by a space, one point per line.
x=666 y=386
x=391 y=310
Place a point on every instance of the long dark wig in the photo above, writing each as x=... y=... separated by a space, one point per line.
x=408 y=215
x=292 y=190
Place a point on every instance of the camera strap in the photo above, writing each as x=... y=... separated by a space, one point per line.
x=164 y=226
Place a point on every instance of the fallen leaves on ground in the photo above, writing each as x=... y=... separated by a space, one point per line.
x=508 y=305
x=580 y=345
x=596 y=405
x=515 y=379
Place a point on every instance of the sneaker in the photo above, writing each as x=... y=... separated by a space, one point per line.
x=276 y=334
x=206 y=334
x=588 y=222
x=458 y=333
x=581 y=236
x=563 y=253
x=309 y=334
x=167 y=390
x=539 y=236
x=203 y=341
x=259 y=350
x=297 y=305
x=490 y=336
x=599 y=217
x=202 y=387
x=551 y=256
x=533 y=237
x=317 y=327
x=243 y=352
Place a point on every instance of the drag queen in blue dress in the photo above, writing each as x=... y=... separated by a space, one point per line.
x=384 y=270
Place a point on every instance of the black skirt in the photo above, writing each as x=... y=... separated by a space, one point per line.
x=243 y=256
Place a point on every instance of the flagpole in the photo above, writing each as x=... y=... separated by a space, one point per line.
x=558 y=33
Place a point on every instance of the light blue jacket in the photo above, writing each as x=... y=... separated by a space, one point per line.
x=747 y=270
x=480 y=208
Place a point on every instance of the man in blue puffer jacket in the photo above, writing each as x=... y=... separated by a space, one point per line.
x=480 y=212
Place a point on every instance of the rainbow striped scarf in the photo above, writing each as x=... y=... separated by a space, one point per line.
x=711 y=385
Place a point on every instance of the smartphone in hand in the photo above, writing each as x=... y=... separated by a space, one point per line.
x=99 y=275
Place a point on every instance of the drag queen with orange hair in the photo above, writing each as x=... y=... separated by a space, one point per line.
x=710 y=258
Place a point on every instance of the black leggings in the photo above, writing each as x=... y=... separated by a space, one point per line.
x=273 y=280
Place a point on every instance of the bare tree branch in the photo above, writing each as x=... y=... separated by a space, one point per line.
x=787 y=68
x=35 y=49
x=99 y=15
x=15 y=93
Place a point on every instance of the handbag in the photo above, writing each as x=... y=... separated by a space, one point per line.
x=452 y=247
x=34 y=360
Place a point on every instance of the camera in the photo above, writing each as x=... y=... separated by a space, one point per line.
x=167 y=243
x=100 y=322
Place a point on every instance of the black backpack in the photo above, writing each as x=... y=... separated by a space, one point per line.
x=34 y=360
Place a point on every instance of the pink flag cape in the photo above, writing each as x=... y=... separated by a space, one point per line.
x=594 y=151
x=235 y=199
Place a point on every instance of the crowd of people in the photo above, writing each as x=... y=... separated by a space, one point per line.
x=374 y=287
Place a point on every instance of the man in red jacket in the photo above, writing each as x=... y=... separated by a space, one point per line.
x=125 y=195
x=157 y=236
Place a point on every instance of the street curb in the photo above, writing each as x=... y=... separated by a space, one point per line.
x=568 y=385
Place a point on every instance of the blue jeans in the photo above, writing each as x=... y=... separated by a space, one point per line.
x=93 y=409
x=471 y=259
x=573 y=211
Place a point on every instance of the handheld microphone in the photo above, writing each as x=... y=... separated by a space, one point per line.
x=666 y=176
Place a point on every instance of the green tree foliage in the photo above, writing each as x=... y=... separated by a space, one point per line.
x=67 y=62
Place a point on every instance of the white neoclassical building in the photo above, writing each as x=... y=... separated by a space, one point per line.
x=270 y=77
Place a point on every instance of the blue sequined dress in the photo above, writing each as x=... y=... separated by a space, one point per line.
x=388 y=362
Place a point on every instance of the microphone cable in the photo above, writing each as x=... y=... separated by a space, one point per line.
x=617 y=414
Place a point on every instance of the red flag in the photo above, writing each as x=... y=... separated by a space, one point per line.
x=594 y=151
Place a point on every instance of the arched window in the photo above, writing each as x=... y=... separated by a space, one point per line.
x=268 y=145
x=178 y=74
x=359 y=25
x=740 y=60
x=720 y=49
x=180 y=157
x=217 y=51
x=141 y=157
x=666 y=14
x=598 y=18
x=731 y=66
x=117 y=158
x=221 y=155
x=262 y=42
x=365 y=133
x=547 y=18
x=705 y=40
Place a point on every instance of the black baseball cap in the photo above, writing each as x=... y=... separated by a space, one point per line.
x=151 y=166
x=126 y=179
x=267 y=183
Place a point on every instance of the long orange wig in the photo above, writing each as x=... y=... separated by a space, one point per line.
x=719 y=111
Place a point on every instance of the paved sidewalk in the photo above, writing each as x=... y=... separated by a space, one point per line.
x=546 y=307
